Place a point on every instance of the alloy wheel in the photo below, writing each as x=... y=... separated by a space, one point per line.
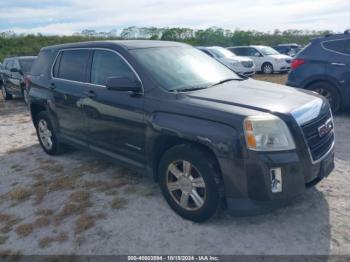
x=268 y=69
x=325 y=93
x=186 y=185
x=45 y=134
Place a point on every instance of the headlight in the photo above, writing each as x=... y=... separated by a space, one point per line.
x=235 y=63
x=267 y=133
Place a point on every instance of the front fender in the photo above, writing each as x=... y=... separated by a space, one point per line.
x=220 y=138
x=223 y=140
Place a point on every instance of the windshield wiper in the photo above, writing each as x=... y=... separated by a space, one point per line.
x=224 y=81
x=187 y=89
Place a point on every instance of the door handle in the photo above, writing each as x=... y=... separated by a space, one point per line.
x=90 y=93
x=338 y=64
x=52 y=85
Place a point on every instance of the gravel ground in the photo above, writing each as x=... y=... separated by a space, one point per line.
x=77 y=204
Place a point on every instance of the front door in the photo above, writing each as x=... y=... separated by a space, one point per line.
x=115 y=119
x=257 y=57
x=69 y=85
x=15 y=79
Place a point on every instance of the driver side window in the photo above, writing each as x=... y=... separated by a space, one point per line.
x=254 y=52
x=107 y=64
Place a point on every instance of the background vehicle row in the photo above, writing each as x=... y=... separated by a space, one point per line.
x=13 y=75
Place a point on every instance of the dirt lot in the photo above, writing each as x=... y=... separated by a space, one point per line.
x=76 y=204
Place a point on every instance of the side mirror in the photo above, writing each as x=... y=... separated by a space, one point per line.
x=119 y=83
x=16 y=70
x=257 y=54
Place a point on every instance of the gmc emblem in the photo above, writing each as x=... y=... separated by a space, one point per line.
x=325 y=128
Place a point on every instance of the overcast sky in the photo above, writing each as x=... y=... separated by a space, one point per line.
x=65 y=17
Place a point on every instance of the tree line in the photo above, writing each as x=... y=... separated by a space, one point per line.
x=12 y=44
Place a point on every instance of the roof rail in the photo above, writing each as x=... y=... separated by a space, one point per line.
x=347 y=31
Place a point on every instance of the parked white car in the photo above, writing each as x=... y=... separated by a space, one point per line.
x=241 y=65
x=266 y=59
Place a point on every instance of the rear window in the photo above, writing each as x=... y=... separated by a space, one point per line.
x=41 y=64
x=335 y=45
x=8 y=64
x=26 y=64
x=72 y=65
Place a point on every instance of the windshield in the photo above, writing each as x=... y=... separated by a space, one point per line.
x=222 y=52
x=26 y=64
x=268 y=51
x=179 y=68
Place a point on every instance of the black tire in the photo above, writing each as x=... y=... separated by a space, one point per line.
x=267 y=68
x=206 y=166
x=5 y=94
x=24 y=95
x=330 y=92
x=57 y=147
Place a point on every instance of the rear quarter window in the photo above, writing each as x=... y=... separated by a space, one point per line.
x=335 y=45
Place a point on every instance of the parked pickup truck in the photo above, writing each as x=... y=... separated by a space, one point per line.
x=210 y=138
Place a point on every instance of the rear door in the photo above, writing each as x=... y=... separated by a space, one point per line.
x=347 y=73
x=339 y=65
x=115 y=119
x=69 y=85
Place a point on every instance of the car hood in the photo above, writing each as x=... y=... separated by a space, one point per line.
x=256 y=95
x=237 y=59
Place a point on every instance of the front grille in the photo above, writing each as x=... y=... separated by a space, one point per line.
x=318 y=145
x=247 y=64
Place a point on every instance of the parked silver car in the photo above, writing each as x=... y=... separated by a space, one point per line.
x=266 y=59
x=241 y=65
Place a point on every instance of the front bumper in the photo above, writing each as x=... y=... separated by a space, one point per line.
x=298 y=174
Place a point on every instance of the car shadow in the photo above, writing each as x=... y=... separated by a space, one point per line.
x=302 y=228
x=342 y=127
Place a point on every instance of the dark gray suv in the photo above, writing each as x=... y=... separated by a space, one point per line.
x=14 y=74
x=209 y=137
x=324 y=67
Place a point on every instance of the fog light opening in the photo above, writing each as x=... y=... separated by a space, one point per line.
x=276 y=180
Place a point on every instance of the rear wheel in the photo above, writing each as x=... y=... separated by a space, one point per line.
x=25 y=95
x=329 y=92
x=46 y=135
x=189 y=182
x=5 y=94
x=267 y=68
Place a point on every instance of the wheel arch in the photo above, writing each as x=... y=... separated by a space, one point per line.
x=332 y=82
x=264 y=63
x=165 y=142
x=35 y=109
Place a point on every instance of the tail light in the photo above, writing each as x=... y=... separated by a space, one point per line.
x=296 y=63
x=28 y=81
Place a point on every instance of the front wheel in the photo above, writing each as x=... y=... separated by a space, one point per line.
x=5 y=94
x=25 y=96
x=189 y=180
x=267 y=68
